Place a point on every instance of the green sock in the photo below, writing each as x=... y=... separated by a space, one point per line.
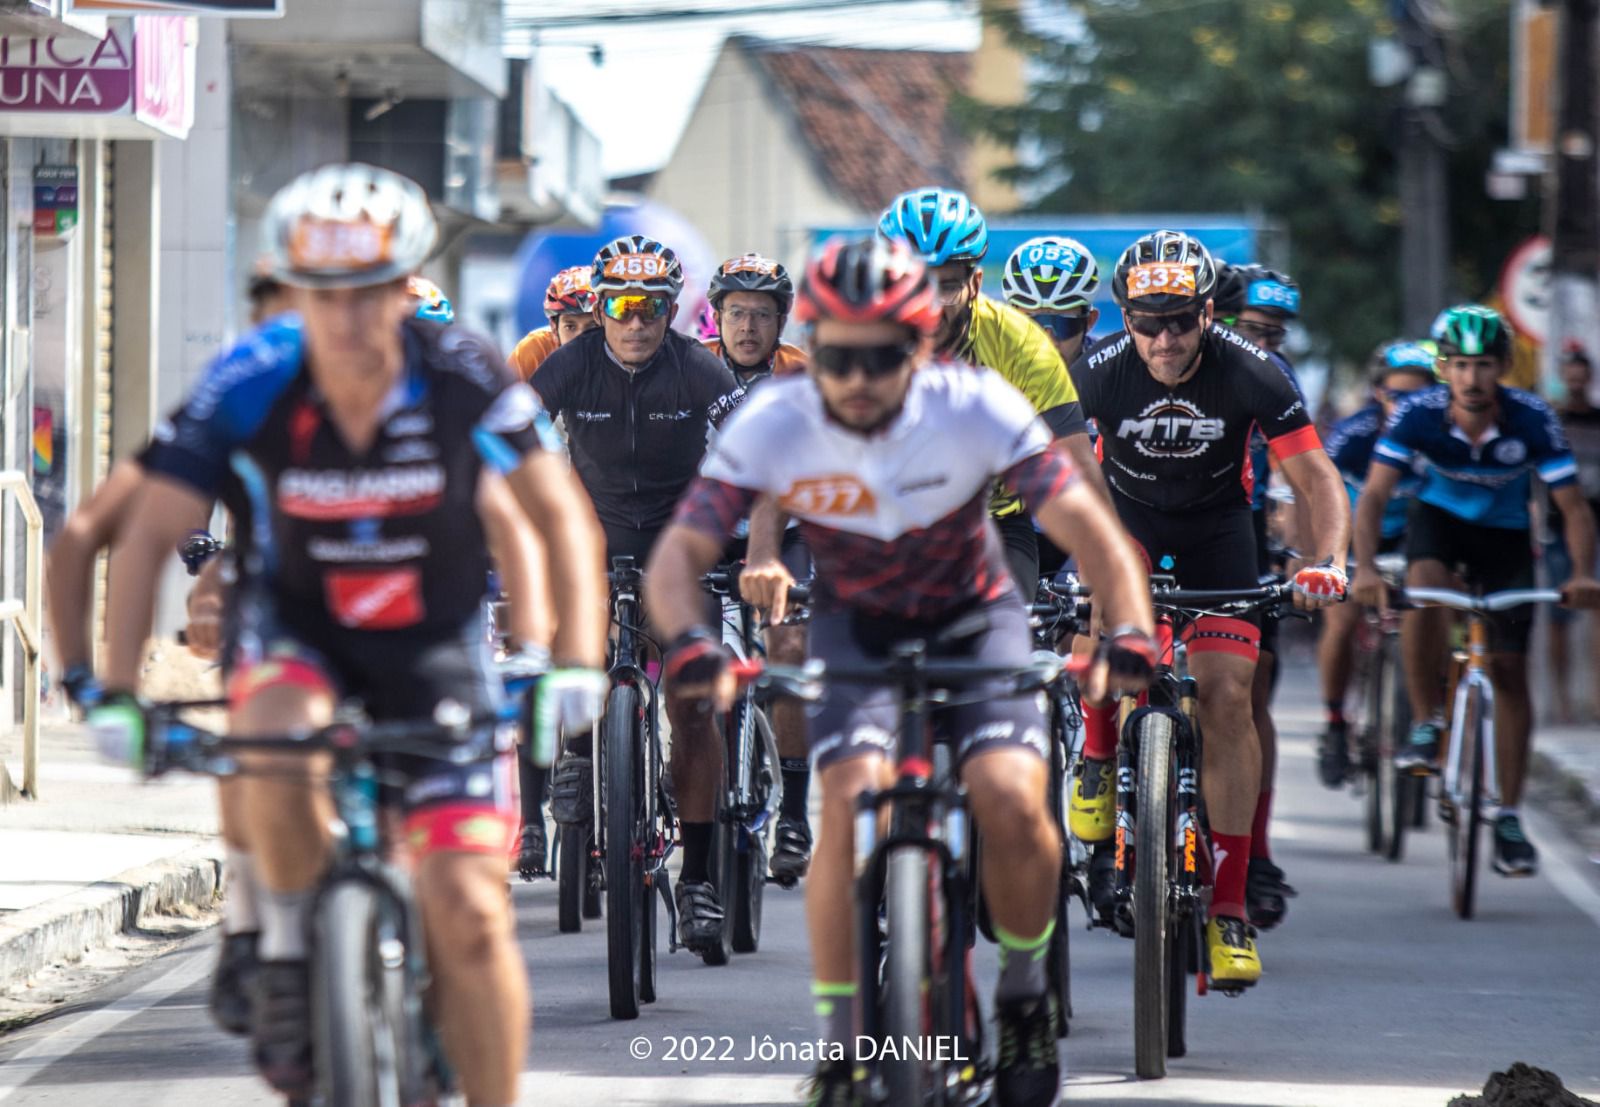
x=1022 y=965
x=836 y=1010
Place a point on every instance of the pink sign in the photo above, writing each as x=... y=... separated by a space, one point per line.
x=60 y=75
x=163 y=78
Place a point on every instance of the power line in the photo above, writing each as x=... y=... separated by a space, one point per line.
x=677 y=15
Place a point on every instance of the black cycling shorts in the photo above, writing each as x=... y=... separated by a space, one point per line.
x=1494 y=559
x=855 y=720
x=1021 y=545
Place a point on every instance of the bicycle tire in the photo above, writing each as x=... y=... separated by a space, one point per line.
x=1185 y=952
x=750 y=889
x=907 y=984
x=647 y=946
x=1059 y=959
x=1464 y=836
x=1402 y=790
x=358 y=1000
x=624 y=864
x=1374 y=686
x=1152 y=947
x=724 y=868
x=572 y=876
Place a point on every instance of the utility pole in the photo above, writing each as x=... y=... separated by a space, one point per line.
x=1424 y=198
x=1573 y=215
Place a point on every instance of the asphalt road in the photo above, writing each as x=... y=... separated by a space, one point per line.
x=1374 y=995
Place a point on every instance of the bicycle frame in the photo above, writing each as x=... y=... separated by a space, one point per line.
x=1474 y=675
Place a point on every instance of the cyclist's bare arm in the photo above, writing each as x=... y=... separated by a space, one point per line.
x=69 y=571
x=560 y=510
x=765 y=581
x=519 y=556
x=1366 y=586
x=1581 y=589
x=1316 y=482
x=205 y=603
x=1081 y=451
x=163 y=511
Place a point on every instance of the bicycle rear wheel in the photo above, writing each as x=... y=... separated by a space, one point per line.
x=1059 y=961
x=622 y=739
x=751 y=875
x=1187 y=937
x=572 y=877
x=362 y=1016
x=1399 y=790
x=1375 y=719
x=907 y=984
x=1464 y=836
x=724 y=866
x=1152 y=946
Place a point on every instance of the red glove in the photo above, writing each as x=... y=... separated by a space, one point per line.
x=1323 y=580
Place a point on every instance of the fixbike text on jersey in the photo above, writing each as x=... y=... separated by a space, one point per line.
x=716 y=1049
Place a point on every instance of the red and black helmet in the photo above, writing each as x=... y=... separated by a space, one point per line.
x=868 y=280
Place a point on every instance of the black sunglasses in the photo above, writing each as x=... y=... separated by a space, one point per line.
x=1152 y=325
x=874 y=361
x=1062 y=327
x=1266 y=332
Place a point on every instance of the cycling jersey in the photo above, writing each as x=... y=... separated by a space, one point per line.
x=1488 y=482
x=636 y=437
x=1186 y=448
x=999 y=337
x=532 y=351
x=384 y=539
x=1350 y=445
x=785 y=361
x=1260 y=456
x=896 y=521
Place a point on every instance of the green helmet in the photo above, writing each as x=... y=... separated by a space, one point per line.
x=1472 y=330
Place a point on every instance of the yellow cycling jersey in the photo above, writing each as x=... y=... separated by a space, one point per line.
x=1001 y=338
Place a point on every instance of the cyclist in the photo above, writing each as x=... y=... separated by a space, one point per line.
x=950 y=234
x=1396 y=370
x=1052 y=279
x=1580 y=419
x=750 y=298
x=268 y=296
x=363 y=436
x=1482 y=442
x=897 y=563
x=569 y=306
x=1176 y=398
x=639 y=400
x=1256 y=302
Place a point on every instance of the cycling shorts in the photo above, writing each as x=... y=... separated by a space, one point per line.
x=1213 y=549
x=856 y=720
x=1269 y=623
x=1495 y=558
x=1021 y=544
x=447 y=807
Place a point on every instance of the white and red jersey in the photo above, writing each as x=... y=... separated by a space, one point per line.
x=897 y=520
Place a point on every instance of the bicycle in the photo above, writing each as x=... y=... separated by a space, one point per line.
x=912 y=896
x=373 y=1041
x=1469 y=783
x=1158 y=787
x=1391 y=794
x=747 y=803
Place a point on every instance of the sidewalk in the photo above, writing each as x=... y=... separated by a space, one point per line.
x=1570 y=756
x=99 y=850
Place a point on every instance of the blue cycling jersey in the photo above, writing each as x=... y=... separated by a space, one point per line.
x=1350 y=444
x=1258 y=441
x=1487 y=482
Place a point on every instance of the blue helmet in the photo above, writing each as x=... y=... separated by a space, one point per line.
x=941 y=224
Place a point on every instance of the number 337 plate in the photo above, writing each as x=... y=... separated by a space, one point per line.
x=1157 y=279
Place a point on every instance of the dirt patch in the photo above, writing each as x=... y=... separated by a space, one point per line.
x=1523 y=1086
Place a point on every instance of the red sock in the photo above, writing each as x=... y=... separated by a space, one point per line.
x=1232 y=852
x=1100 y=732
x=1258 y=828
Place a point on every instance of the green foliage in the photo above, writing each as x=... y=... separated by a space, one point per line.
x=1263 y=106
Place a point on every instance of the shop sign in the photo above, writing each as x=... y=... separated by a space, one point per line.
x=55 y=199
x=269 y=9
x=67 y=75
x=163 y=89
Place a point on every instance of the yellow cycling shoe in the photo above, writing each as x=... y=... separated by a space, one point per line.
x=1091 y=812
x=1234 y=960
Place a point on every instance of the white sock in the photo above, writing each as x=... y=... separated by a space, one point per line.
x=240 y=913
x=283 y=925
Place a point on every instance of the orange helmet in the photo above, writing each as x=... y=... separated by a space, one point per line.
x=569 y=293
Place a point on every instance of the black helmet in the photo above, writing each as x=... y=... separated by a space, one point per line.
x=752 y=273
x=1230 y=291
x=1164 y=271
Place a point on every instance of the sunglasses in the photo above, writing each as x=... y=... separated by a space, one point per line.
x=648 y=308
x=1266 y=332
x=1062 y=327
x=875 y=362
x=1152 y=325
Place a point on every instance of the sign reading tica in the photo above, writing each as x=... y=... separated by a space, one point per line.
x=269 y=9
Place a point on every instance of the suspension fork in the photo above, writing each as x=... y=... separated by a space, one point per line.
x=1187 y=822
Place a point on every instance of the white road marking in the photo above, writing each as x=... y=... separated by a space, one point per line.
x=1571 y=881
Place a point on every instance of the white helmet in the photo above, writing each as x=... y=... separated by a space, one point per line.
x=348 y=226
x=1050 y=273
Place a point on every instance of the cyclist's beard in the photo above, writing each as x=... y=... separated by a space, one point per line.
x=866 y=424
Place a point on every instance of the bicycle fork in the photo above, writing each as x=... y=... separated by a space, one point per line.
x=1463 y=732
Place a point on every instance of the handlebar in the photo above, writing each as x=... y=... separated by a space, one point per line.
x=1490 y=602
x=806 y=682
x=725 y=582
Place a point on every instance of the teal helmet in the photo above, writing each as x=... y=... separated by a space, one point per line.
x=1472 y=330
x=941 y=224
x=1401 y=356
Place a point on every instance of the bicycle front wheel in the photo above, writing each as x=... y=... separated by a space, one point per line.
x=907 y=984
x=1398 y=789
x=1464 y=836
x=361 y=1010
x=1152 y=939
x=622 y=738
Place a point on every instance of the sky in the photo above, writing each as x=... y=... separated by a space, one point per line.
x=656 y=68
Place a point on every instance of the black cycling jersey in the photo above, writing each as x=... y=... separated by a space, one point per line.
x=386 y=539
x=636 y=437
x=1187 y=447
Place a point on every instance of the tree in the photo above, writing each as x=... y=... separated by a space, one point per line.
x=1261 y=106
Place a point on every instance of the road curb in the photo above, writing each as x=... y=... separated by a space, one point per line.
x=1573 y=785
x=66 y=928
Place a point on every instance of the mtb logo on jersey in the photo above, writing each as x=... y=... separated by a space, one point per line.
x=841 y=494
x=360 y=493
x=1171 y=428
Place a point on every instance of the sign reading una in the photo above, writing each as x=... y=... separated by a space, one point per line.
x=267 y=9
